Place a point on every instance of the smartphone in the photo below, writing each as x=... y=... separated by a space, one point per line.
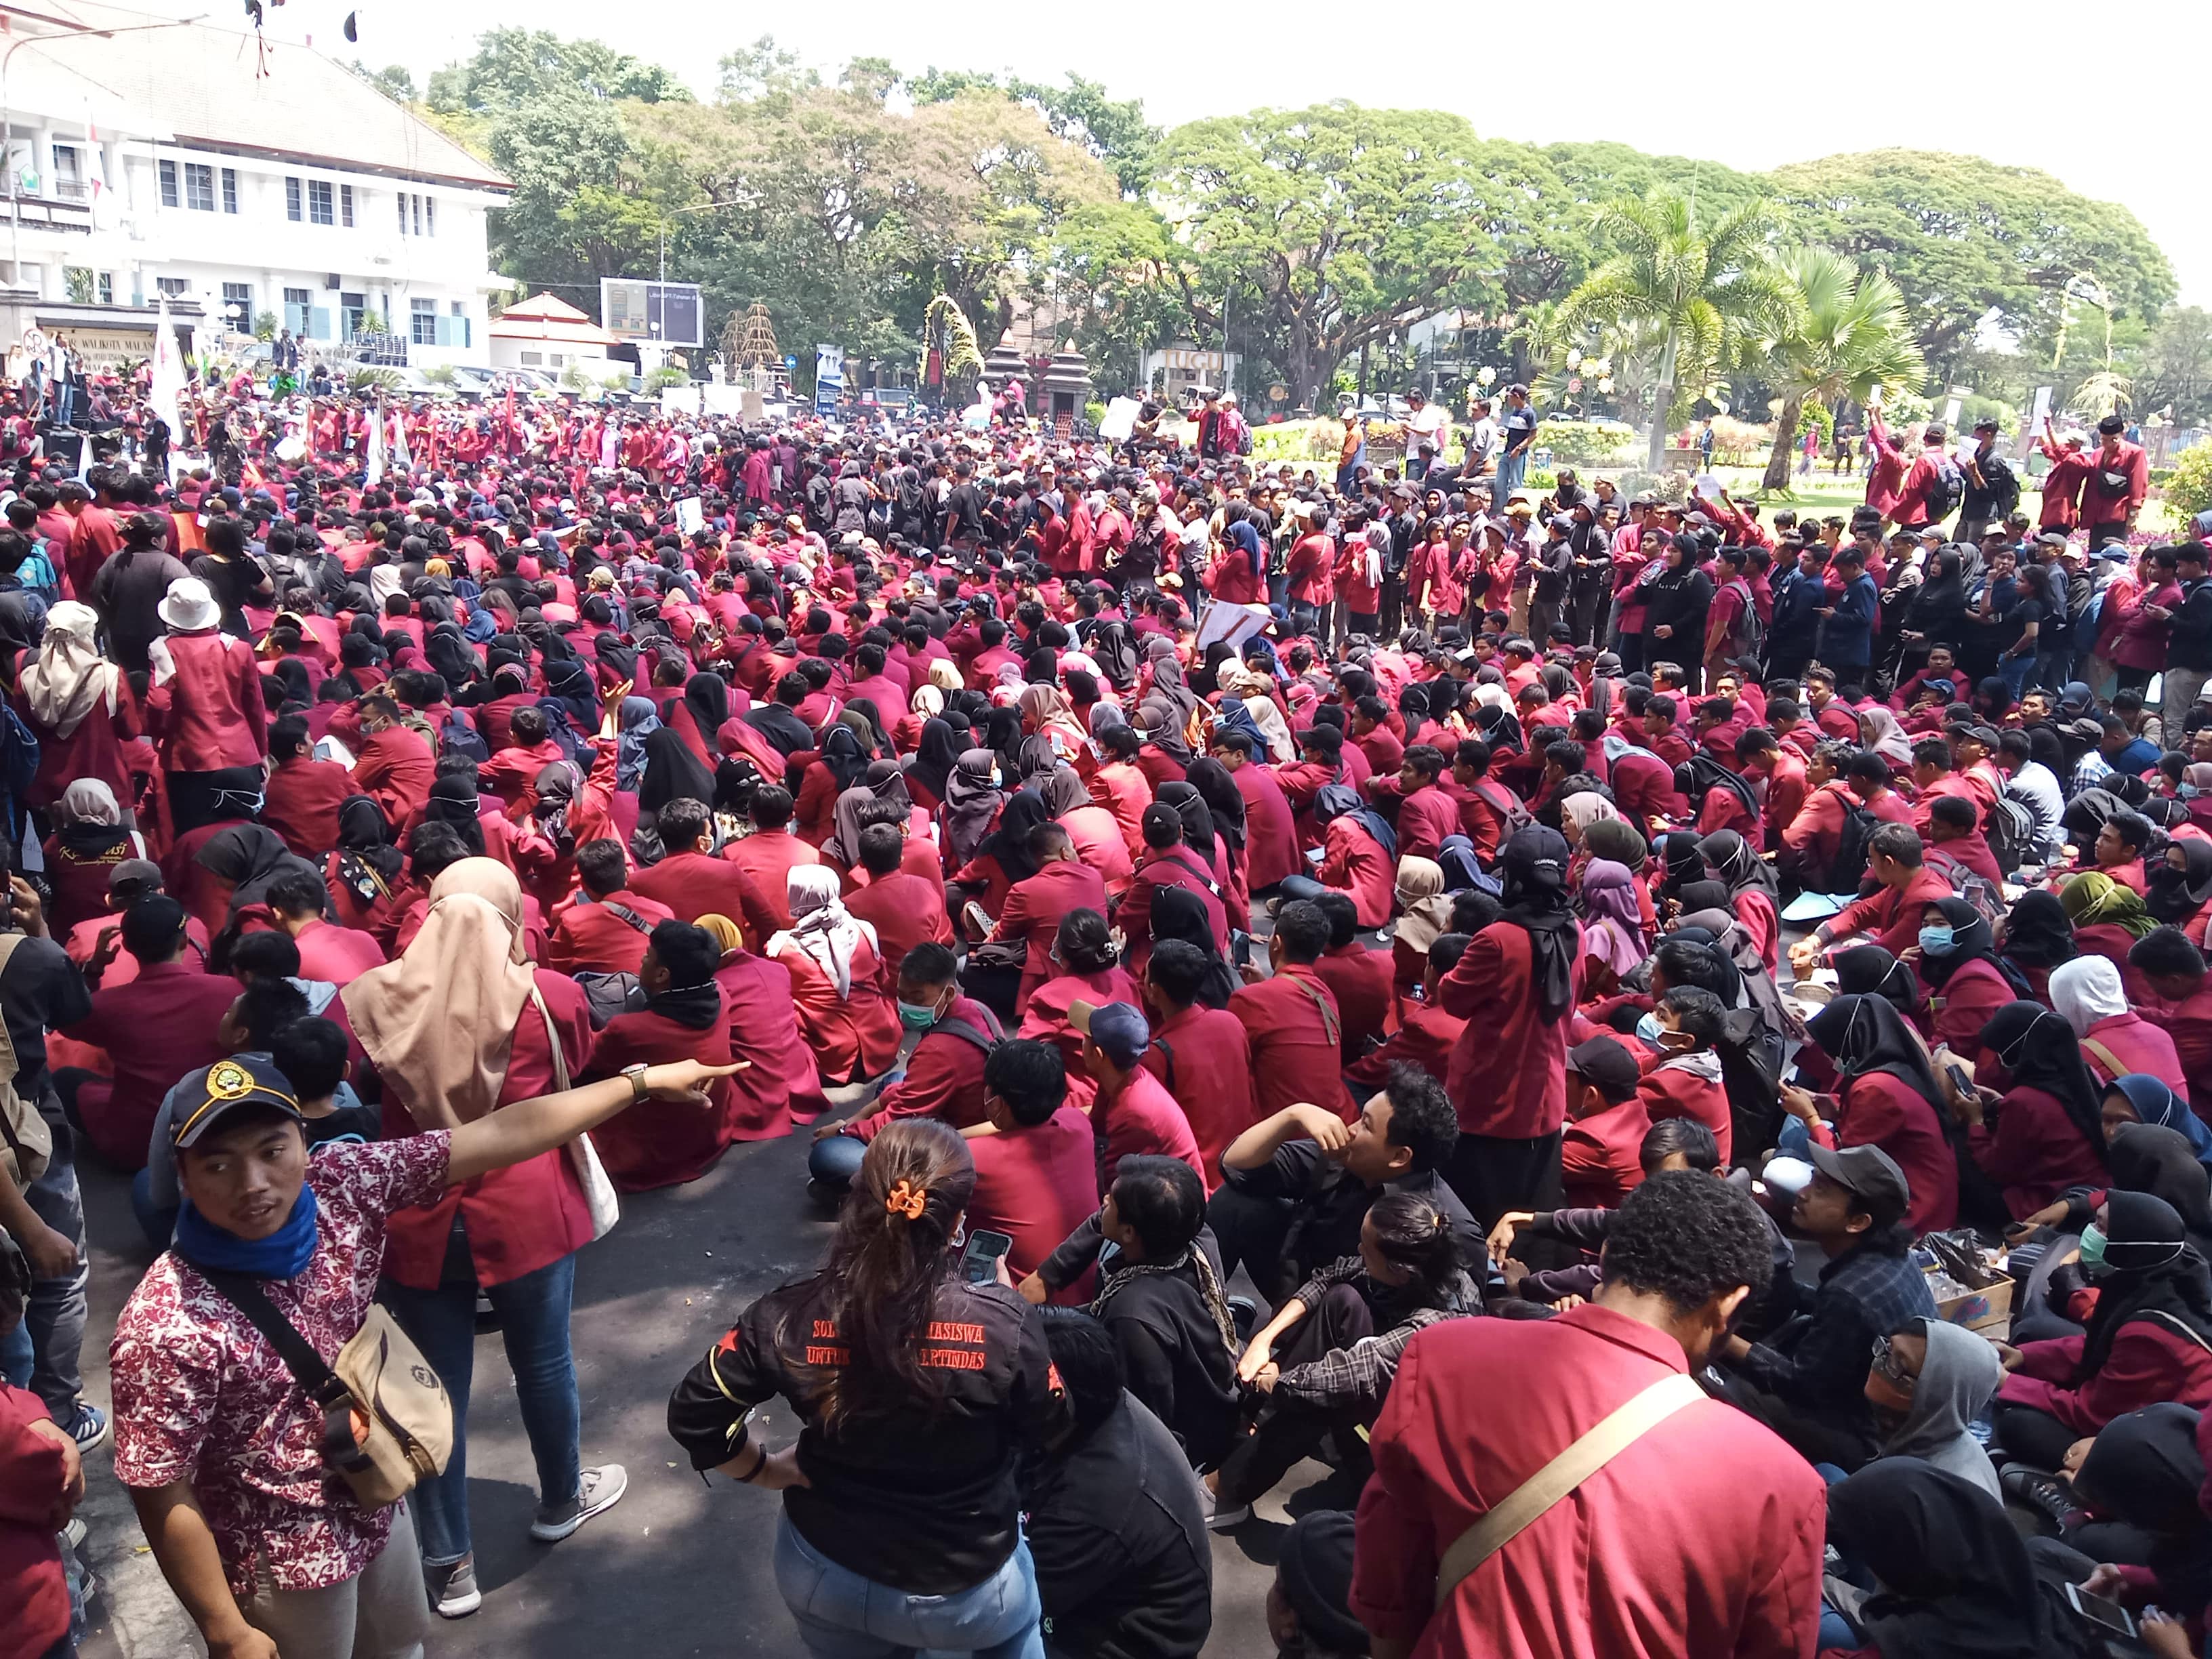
x=979 y=1262
x=1961 y=1078
x=2098 y=1611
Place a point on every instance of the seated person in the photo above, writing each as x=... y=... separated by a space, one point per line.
x=1326 y=1360
x=1037 y=1175
x=604 y=929
x=1601 y=1152
x=905 y=910
x=1426 y=1035
x=1309 y=1604
x=298 y=902
x=1201 y=1054
x=1131 y=1111
x=1686 y=1081
x=1159 y=1292
x=1808 y=1382
x=1296 y=1184
x=683 y=1017
x=1114 y=1522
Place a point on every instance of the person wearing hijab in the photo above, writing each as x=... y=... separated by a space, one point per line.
x=89 y=839
x=1889 y=1098
x=453 y=802
x=936 y=752
x=1953 y=1574
x=1046 y=715
x=1425 y=916
x=1198 y=833
x=839 y=765
x=2148 y=1340
x=972 y=801
x=2038 y=937
x=1614 y=940
x=1958 y=966
x=699 y=717
x=638 y=722
x=1226 y=806
x=780 y=1084
x=1753 y=891
x=1178 y=915
x=2145 y=1471
x=1870 y=970
x=245 y=859
x=1053 y=882
x=673 y=771
x=1515 y=986
x=846 y=1006
x=1098 y=837
x=364 y=874
x=1929 y=1382
x=1359 y=855
x=2180 y=886
x=1680 y=863
x=2043 y=1132
x=683 y=1017
x=458 y=1027
x=2107 y=917
x=1880 y=733
x=2138 y=1099
x=79 y=706
x=2087 y=992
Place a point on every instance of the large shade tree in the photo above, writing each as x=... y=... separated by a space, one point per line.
x=1710 y=287
x=1848 y=332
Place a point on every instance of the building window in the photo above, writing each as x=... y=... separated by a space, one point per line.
x=291 y=197
x=402 y=200
x=418 y=215
x=345 y=205
x=422 y=322
x=531 y=359
x=431 y=215
x=230 y=190
x=320 y=208
x=174 y=286
x=68 y=174
x=169 y=194
x=106 y=288
x=298 y=296
x=238 y=305
x=199 y=187
x=352 y=307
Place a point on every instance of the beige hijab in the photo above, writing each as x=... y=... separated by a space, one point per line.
x=1426 y=908
x=439 y=1023
x=69 y=677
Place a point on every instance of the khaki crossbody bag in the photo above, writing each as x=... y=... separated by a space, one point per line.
x=1528 y=1501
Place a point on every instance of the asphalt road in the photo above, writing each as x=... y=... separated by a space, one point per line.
x=675 y=1568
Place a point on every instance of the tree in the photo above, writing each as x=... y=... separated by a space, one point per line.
x=1337 y=226
x=1971 y=243
x=1848 y=332
x=1710 y=290
x=512 y=67
x=1115 y=131
x=2175 y=365
x=393 y=79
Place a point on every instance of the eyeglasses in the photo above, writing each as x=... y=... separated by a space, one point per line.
x=1890 y=1368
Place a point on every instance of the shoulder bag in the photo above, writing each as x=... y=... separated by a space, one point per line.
x=590 y=1174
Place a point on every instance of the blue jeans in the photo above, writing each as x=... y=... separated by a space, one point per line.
x=56 y=1318
x=836 y=1159
x=533 y=1315
x=2015 y=672
x=16 y=1356
x=1512 y=469
x=842 y=1615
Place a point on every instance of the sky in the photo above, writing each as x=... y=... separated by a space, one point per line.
x=2023 y=84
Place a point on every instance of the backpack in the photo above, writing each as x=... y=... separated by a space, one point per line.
x=2011 y=833
x=1847 y=871
x=457 y=736
x=1977 y=891
x=19 y=765
x=988 y=1039
x=561 y=727
x=606 y=995
x=1945 y=491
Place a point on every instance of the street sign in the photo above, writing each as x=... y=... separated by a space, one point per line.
x=791 y=360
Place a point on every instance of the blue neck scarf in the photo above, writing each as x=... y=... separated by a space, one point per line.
x=283 y=1255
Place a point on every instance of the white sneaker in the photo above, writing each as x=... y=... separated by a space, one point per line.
x=598 y=1491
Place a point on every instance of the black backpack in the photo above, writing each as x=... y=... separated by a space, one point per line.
x=1945 y=491
x=1849 y=868
x=2012 y=833
x=988 y=1040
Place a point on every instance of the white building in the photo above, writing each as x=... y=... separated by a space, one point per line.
x=546 y=333
x=263 y=180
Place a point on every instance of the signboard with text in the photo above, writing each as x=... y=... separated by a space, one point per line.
x=635 y=308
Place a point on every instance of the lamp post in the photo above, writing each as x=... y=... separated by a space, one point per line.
x=8 y=117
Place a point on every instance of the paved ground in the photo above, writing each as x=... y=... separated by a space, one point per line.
x=675 y=1569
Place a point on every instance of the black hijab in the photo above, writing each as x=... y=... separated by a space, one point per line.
x=2039 y=1050
x=249 y=856
x=671 y=771
x=1956 y=1582
x=1678 y=851
x=2151 y=1273
x=1197 y=821
x=1744 y=870
x=1971 y=941
x=2149 y=1157
x=1699 y=775
x=610 y=651
x=842 y=753
x=1866 y=1034
x=1010 y=842
x=2037 y=931
x=1335 y=800
x=366 y=838
x=1870 y=970
x=1534 y=865
x=1179 y=914
x=936 y=754
x=1224 y=801
x=2175 y=896
x=454 y=800
x=707 y=700
x=2144 y=1469
x=568 y=682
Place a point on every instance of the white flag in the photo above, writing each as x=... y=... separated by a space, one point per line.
x=402 y=457
x=376 y=472
x=168 y=387
x=103 y=199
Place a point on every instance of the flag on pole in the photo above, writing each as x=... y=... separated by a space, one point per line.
x=103 y=199
x=402 y=457
x=167 y=392
x=376 y=472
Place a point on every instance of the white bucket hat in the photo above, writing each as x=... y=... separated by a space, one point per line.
x=188 y=606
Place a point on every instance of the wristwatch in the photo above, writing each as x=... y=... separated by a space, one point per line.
x=636 y=1075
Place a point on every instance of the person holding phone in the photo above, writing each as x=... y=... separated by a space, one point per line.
x=919 y=1394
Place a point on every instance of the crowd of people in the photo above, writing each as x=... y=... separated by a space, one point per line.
x=1260 y=959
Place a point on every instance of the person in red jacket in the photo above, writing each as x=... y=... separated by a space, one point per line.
x=1271 y=835
x=301 y=799
x=1292 y=1020
x=1704 y=1536
x=1426 y=1033
x=1890 y=1098
x=1684 y=1077
x=603 y=930
x=2117 y=481
x=79 y=706
x=684 y=1018
x=905 y=910
x=393 y=765
x=1035 y=908
x=41 y=1483
x=1201 y=1054
x=2062 y=485
x=1891 y=914
x=1425 y=813
x=693 y=882
x=204 y=707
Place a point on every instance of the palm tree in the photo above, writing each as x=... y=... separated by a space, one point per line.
x=1849 y=334
x=1711 y=290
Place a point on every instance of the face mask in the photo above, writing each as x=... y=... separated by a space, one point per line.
x=917 y=1015
x=1937 y=941
x=2188 y=791
x=1649 y=1029
x=2093 y=1247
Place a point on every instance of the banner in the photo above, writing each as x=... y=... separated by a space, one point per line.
x=828 y=377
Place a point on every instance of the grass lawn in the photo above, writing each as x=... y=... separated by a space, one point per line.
x=1822 y=495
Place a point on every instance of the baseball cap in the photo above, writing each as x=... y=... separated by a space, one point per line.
x=1870 y=1174
x=222 y=1092
x=1608 y=1066
x=1987 y=423
x=1121 y=1032
x=143 y=874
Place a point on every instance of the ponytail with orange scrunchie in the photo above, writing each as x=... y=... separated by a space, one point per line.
x=907 y=1200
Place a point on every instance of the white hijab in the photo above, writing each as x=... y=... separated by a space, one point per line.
x=2086 y=990
x=821 y=928
x=69 y=677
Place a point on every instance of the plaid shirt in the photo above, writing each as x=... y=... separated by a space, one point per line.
x=1357 y=1378
x=1818 y=1360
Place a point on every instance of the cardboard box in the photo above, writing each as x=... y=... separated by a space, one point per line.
x=1989 y=1310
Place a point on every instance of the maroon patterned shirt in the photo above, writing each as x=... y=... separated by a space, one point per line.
x=200 y=1395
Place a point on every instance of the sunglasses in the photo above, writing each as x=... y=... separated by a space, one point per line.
x=1890 y=1368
